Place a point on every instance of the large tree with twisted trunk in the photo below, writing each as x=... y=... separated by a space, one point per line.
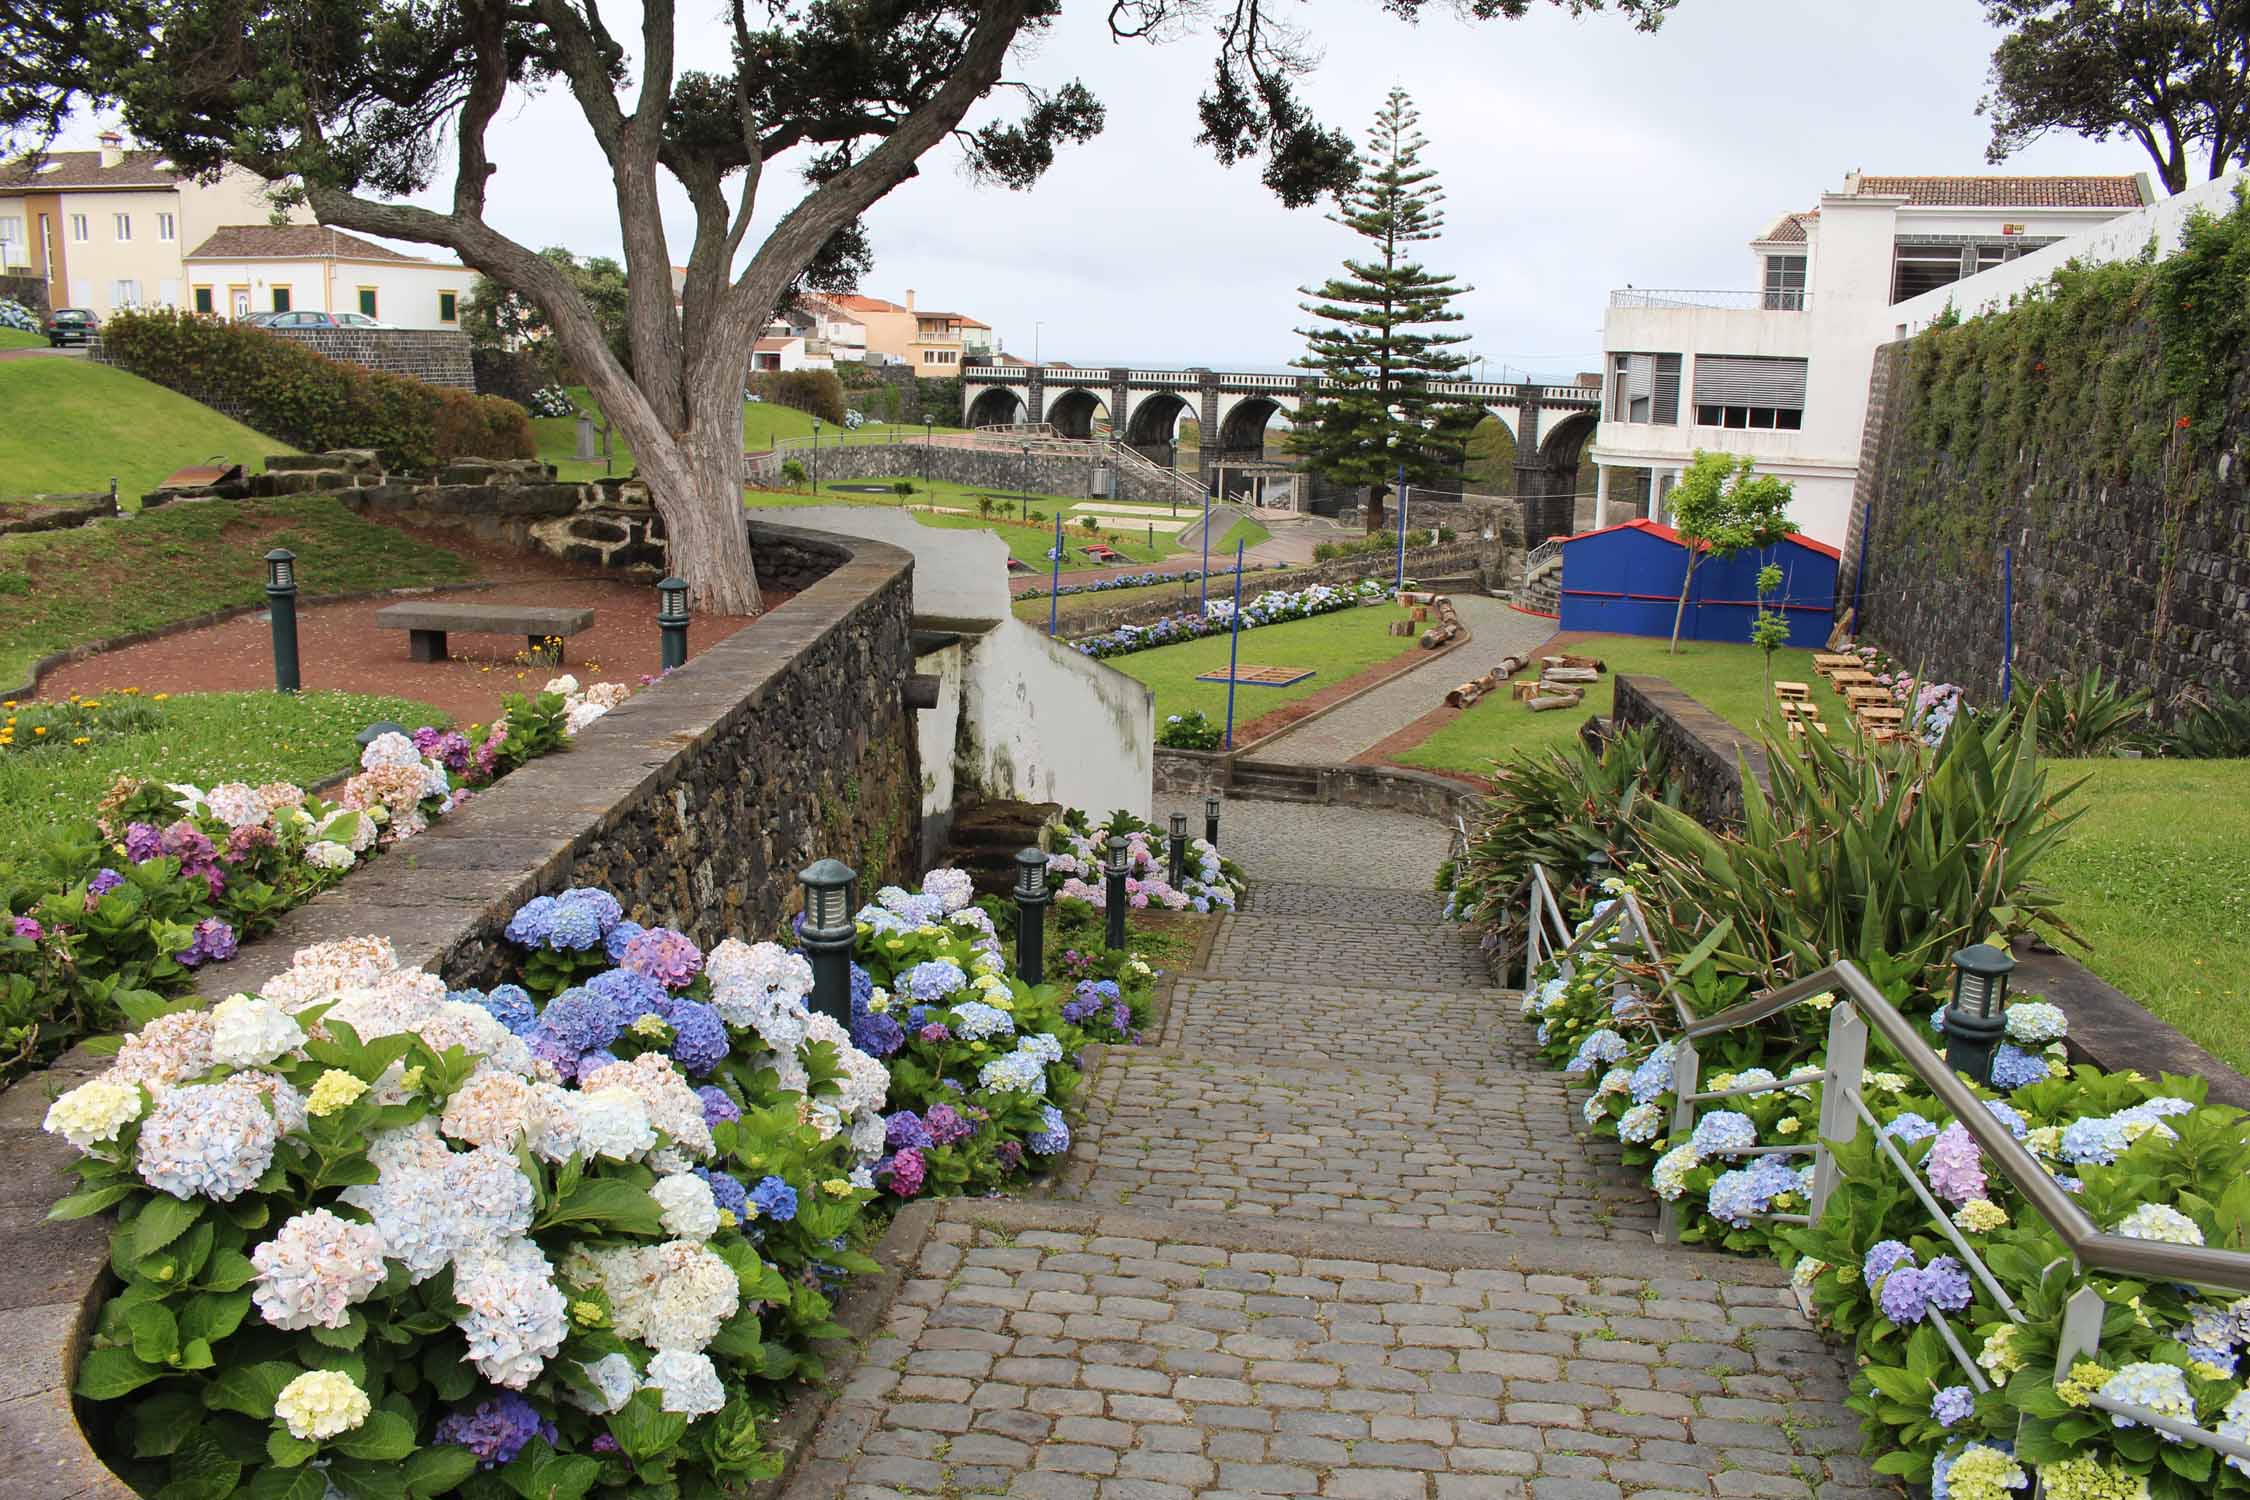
x=358 y=103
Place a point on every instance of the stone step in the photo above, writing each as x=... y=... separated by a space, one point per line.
x=1358 y=903
x=1301 y=948
x=1460 y=1152
x=1362 y=1024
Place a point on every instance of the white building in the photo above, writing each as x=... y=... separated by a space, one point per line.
x=782 y=347
x=242 y=269
x=816 y=317
x=1780 y=371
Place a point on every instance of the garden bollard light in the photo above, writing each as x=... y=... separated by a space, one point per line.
x=672 y=622
x=1179 y=850
x=281 y=607
x=1978 y=1015
x=376 y=731
x=1115 y=896
x=828 y=935
x=1211 y=821
x=1031 y=915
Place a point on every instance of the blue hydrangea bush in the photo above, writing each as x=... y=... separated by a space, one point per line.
x=1217 y=617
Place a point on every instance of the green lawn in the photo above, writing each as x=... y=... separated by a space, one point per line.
x=202 y=738
x=1728 y=680
x=762 y=423
x=2156 y=876
x=16 y=338
x=64 y=588
x=74 y=424
x=1247 y=532
x=1027 y=542
x=1334 y=645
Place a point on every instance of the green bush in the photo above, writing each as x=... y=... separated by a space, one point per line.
x=816 y=391
x=289 y=392
x=2216 y=728
x=2087 y=715
x=1556 y=809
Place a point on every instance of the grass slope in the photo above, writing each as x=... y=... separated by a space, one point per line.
x=1728 y=680
x=65 y=588
x=1026 y=541
x=762 y=423
x=2156 y=876
x=16 y=338
x=73 y=424
x=1334 y=645
x=204 y=738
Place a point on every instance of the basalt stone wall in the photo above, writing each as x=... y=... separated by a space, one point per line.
x=1389 y=788
x=1706 y=753
x=434 y=356
x=997 y=470
x=2130 y=534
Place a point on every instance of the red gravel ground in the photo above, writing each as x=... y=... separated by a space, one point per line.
x=340 y=646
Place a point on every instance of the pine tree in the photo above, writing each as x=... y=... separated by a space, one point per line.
x=1379 y=348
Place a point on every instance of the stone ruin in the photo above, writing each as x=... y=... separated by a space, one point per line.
x=518 y=502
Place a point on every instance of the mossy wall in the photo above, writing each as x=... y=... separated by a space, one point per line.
x=2099 y=430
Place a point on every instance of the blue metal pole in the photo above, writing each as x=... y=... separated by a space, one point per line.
x=1234 y=642
x=1054 y=576
x=1205 y=607
x=1401 y=583
x=2007 y=620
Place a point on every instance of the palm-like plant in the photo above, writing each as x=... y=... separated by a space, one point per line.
x=2216 y=727
x=2087 y=715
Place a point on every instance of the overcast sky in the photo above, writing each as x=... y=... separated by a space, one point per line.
x=1577 y=156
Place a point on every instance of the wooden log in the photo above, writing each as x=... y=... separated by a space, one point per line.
x=1521 y=691
x=1550 y=701
x=1402 y=627
x=1590 y=663
x=1570 y=674
x=1509 y=666
x=1464 y=695
x=1842 y=635
x=1438 y=635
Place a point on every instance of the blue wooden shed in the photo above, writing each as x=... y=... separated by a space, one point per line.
x=1625 y=580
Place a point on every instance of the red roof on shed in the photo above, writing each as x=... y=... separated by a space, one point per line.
x=1659 y=529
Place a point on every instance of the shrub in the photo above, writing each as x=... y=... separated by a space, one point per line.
x=2213 y=728
x=902 y=487
x=793 y=472
x=1188 y=731
x=816 y=391
x=306 y=399
x=2087 y=715
x=14 y=314
x=552 y=401
x=1556 y=809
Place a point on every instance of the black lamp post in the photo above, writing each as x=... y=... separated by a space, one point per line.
x=281 y=606
x=1597 y=868
x=929 y=425
x=1211 y=821
x=376 y=731
x=1179 y=849
x=816 y=455
x=828 y=936
x=1031 y=915
x=1977 y=1018
x=1115 y=896
x=672 y=621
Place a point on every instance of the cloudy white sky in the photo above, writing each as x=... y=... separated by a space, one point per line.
x=1577 y=155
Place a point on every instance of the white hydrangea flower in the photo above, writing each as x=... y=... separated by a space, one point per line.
x=164 y=1051
x=94 y=1112
x=613 y=1122
x=249 y=1032
x=389 y=749
x=517 y=1317
x=689 y=1210
x=210 y=1140
x=321 y=1404
x=580 y=714
x=690 y=1382
x=236 y=804
x=312 y=1272
x=2157 y=1221
x=614 y=1377
x=493 y=1108
x=673 y=1107
x=566 y=684
x=327 y=854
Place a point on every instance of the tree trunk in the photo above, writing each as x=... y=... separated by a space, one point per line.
x=1680 y=614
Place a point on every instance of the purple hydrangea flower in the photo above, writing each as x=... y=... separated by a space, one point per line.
x=509 y=1004
x=579 y=1020
x=633 y=995
x=1954 y=1166
x=495 y=1430
x=933 y=980
x=775 y=1200
x=1054 y=1140
x=619 y=937
x=1905 y=1297
x=668 y=957
x=1883 y=1258
x=1010 y=1154
x=28 y=928
x=105 y=880
x=143 y=842
x=726 y=1191
x=214 y=942
x=935 y=1032
x=1952 y=1405
x=1910 y=1127
x=718 y=1107
x=1946 y=1284
x=905 y=1131
x=945 y=1125
x=907 y=1173
x=2013 y=1068
x=699 y=1036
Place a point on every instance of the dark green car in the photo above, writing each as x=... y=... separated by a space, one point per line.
x=71 y=325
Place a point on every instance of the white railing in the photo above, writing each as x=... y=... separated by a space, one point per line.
x=1844 y=1112
x=1720 y=300
x=1499 y=392
x=1540 y=557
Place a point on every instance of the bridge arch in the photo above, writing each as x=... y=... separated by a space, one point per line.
x=1565 y=443
x=1243 y=424
x=996 y=406
x=1073 y=412
x=1155 y=420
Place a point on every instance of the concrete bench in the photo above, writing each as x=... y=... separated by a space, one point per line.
x=426 y=625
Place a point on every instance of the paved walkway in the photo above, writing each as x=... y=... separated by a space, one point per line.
x=1495 y=631
x=1335 y=1235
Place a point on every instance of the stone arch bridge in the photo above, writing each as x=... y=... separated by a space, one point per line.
x=1551 y=424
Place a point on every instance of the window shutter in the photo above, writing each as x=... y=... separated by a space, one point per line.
x=1749 y=380
x=1665 y=405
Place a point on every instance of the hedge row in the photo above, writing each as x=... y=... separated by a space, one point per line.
x=309 y=400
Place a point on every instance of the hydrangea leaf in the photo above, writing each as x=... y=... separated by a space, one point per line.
x=155 y=1333
x=286 y=1484
x=384 y=1437
x=106 y=1374
x=433 y=1471
x=90 y=1202
x=250 y=1389
x=607 y=1202
x=162 y=1219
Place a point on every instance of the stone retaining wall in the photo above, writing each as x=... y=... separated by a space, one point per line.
x=1707 y=752
x=56 y=512
x=434 y=356
x=998 y=470
x=1387 y=788
x=696 y=802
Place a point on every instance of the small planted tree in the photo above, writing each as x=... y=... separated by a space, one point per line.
x=1769 y=632
x=1723 y=507
x=793 y=474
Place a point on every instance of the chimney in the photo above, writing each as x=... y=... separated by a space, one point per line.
x=113 y=148
x=910 y=299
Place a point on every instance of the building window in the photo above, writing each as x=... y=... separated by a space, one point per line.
x=1785 y=283
x=79 y=233
x=167 y=227
x=1645 y=388
x=1749 y=391
x=1924 y=268
x=449 y=307
x=204 y=303
x=367 y=301
x=124 y=294
x=281 y=299
x=124 y=224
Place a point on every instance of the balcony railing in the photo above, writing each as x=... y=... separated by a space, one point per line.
x=1735 y=301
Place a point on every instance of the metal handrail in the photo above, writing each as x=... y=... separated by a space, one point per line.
x=1737 y=299
x=1538 y=557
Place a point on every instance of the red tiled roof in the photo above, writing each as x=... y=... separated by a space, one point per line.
x=2006 y=192
x=853 y=302
x=84 y=169
x=294 y=242
x=1659 y=529
x=772 y=346
x=1789 y=229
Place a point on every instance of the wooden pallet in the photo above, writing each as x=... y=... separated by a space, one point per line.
x=1792 y=691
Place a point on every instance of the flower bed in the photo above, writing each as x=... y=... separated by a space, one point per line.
x=574 y=1235
x=1209 y=882
x=167 y=877
x=1135 y=581
x=1269 y=608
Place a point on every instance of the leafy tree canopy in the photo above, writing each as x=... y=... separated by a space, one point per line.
x=1722 y=506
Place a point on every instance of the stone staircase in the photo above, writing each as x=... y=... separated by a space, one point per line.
x=1335 y=1233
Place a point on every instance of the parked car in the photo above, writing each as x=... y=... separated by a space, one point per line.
x=71 y=325
x=360 y=320
x=258 y=319
x=300 y=320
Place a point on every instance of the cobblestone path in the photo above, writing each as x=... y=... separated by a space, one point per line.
x=1334 y=1235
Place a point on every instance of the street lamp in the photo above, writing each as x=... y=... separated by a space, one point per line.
x=1211 y=820
x=1031 y=914
x=376 y=731
x=1179 y=850
x=672 y=621
x=816 y=456
x=1977 y=1017
x=828 y=936
x=1114 y=896
x=281 y=607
